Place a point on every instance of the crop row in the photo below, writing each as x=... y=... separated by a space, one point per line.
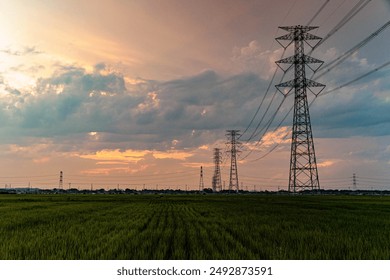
x=194 y=227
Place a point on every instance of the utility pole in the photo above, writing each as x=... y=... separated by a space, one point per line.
x=217 y=180
x=201 y=184
x=232 y=136
x=303 y=165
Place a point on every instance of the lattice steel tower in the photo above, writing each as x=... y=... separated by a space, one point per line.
x=217 y=181
x=201 y=183
x=232 y=136
x=303 y=166
x=61 y=183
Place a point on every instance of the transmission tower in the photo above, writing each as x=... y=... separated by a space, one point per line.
x=303 y=166
x=201 y=184
x=232 y=136
x=61 y=183
x=217 y=181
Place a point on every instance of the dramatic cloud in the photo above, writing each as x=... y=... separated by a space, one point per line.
x=189 y=112
x=147 y=113
x=360 y=108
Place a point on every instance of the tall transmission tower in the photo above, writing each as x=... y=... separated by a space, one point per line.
x=61 y=183
x=201 y=183
x=303 y=166
x=217 y=180
x=233 y=136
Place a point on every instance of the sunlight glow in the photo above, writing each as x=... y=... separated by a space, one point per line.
x=19 y=80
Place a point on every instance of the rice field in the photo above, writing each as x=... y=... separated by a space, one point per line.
x=190 y=227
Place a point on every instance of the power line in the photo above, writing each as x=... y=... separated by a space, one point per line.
x=170 y=174
x=266 y=128
x=270 y=83
x=21 y=177
x=261 y=104
x=329 y=16
x=376 y=179
x=167 y=178
x=337 y=61
x=318 y=12
x=345 y=84
x=356 y=79
x=256 y=133
x=353 y=12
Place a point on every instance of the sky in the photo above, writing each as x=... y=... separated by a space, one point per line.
x=135 y=93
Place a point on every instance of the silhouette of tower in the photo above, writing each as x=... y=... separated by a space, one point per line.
x=201 y=184
x=217 y=181
x=61 y=183
x=303 y=166
x=233 y=143
x=354 y=181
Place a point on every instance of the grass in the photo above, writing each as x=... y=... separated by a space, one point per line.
x=194 y=227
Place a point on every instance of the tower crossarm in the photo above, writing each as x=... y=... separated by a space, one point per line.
x=298 y=33
x=293 y=83
x=295 y=27
x=295 y=58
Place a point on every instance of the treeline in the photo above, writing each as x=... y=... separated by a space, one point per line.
x=179 y=191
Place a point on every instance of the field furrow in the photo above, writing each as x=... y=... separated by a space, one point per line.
x=194 y=227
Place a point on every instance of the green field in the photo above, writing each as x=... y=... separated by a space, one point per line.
x=194 y=227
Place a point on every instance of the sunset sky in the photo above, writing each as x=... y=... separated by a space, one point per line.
x=140 y=92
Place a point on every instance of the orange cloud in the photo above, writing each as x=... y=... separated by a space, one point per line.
x=172 y=154
x=117 y=155
x=327 y=163
x=133 y=156
x=103 y=171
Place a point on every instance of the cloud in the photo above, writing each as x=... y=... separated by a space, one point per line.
x=359 y=109
x=130 y=161
x=28 y=50
x=254 y=58
x=116 y=155
x=101 y=109
x=172 y=154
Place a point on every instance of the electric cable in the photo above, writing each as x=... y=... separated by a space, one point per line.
x=356 y=79
x=337 y=61
x=351 y=14
x=318 y=12
x=273 y=76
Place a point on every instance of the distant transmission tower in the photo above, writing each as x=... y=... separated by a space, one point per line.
x=232 y=136
x=354 y=181
x=303 y=166
x=61 y=183
x=201 y=184
x=217 y=181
